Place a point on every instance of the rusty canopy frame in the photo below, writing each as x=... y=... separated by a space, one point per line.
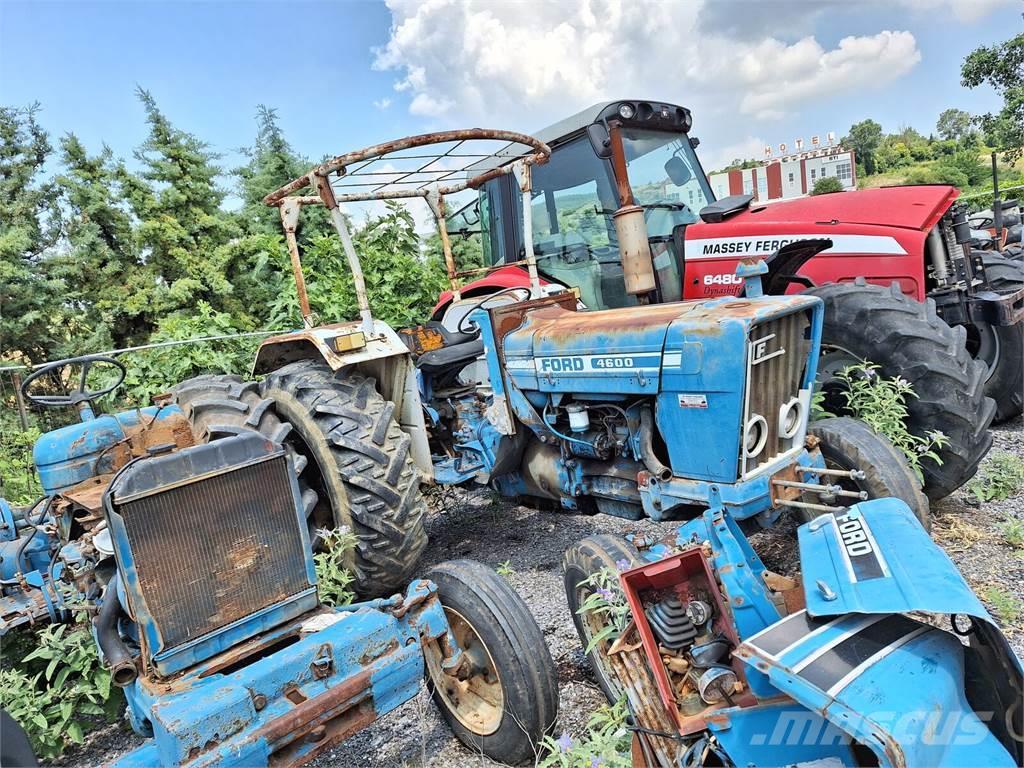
x=363 y=175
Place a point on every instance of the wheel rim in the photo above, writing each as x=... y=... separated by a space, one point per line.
x=476 y=699
x=590 y=624
x=983 y=345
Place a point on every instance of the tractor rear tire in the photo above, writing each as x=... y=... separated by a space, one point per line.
x=359 y=462
x=846 y=444
x=1001 y=347
x=581 y=561
x=221 y=406
x=509 y=661
x=906 y=338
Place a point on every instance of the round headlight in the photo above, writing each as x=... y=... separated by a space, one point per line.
x=755 y=435
x=626 y=111
x=790 y=418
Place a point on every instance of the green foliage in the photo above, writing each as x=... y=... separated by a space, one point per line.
x=29 y=294
x=19 y=483
x=333 y=578
x=1013 y=533
x=1001 y=67
x=953 y=124
x=1001 y=476
x=604 y=744
x=606 y=601
x=881 y=403
x=826 y=185
x=1007 y=608
x=59 y=689
x=401 y=284
x=152 y=371
x=505 y=569
x=864 y=138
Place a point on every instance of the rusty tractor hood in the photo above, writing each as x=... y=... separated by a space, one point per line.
x=625 y=351
x=912 y=207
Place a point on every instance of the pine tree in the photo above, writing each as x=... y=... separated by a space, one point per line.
x=183 y=234
x=30 y=297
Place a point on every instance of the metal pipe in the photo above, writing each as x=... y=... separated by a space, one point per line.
x=523 y=175
x=323 y=187
x=835 y=490
x=289 y=211
x=122 y=666
x=436 y=203
x=806 y=505
x=651 y=462
x=853 y=474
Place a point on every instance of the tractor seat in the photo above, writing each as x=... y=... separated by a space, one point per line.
x=446 y=358
x=436 y=348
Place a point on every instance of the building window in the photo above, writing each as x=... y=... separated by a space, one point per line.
x=814 y=174
x=762 y=187
x=844 y=172
x=748 y=185
x=791 y=178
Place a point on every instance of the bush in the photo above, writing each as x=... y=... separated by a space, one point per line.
x=826 y=185
x=332 y=576
x=882 y=404
x=59 y=689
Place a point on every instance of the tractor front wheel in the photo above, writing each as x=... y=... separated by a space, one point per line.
x=502 y=698
x=582 y=562
x=849 y=444
x=906 y=338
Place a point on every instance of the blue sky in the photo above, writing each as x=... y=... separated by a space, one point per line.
x=346 y=74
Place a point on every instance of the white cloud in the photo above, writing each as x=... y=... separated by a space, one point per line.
x=967 y=11
x=382 y=104
x=527 y=63
x=776 y=77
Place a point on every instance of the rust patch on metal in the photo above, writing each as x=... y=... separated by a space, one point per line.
x=316 y=711
x=784 y=493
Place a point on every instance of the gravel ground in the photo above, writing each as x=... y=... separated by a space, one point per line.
x=480 y=526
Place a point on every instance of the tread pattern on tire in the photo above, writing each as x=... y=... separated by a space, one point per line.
x=908 y=339
x=365 y=460
x=1004 y=276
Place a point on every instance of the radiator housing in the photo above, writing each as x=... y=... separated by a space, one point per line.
x=212 y=547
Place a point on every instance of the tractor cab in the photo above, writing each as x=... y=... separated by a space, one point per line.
x=608 y=156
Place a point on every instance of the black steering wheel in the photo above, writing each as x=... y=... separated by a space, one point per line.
x=80 y=395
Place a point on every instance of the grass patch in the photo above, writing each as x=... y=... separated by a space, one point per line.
x=1007 y=608
x=1001 y=476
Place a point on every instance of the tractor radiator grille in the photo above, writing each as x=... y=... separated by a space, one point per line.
x=214 y=550
x=776 y=360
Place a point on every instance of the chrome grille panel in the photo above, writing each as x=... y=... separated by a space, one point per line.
x=213 y=550
x=777 y=353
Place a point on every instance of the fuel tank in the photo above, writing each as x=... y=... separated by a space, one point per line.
x=71 y=454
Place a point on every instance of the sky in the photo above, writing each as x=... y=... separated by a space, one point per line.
x=343 y=75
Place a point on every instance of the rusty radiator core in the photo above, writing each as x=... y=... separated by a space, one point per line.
x=776 y=359
x=213 y=550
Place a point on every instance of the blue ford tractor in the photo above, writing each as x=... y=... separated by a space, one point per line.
x=696 y=412
x=194 y=561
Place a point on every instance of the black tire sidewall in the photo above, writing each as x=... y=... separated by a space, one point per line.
x=516 y=644
x=581 y=561
x=852 y=444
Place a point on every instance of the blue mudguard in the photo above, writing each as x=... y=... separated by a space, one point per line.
x=912 y=693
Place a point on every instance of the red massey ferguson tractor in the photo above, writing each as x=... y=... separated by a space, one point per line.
x=902 y=287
